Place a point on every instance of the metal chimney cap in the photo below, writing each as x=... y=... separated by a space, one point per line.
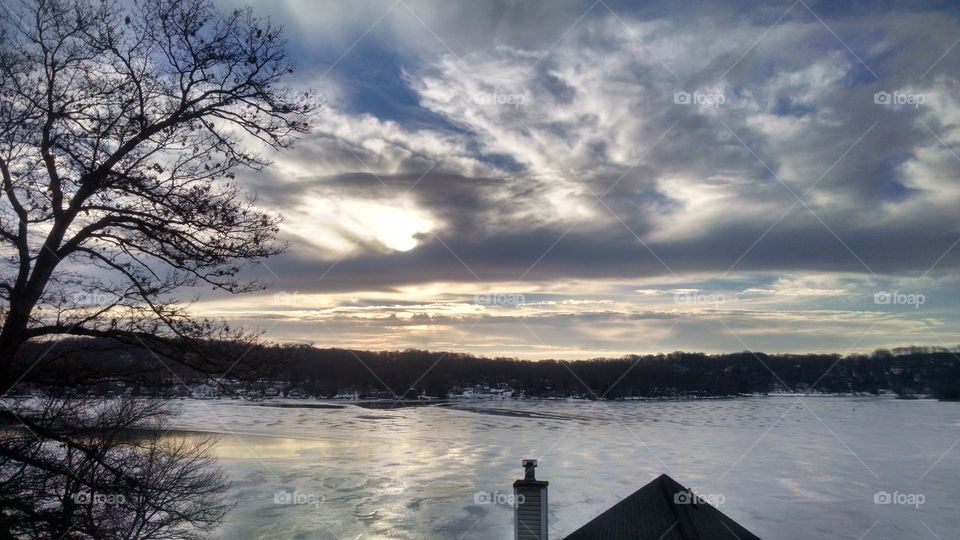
x=528 y=468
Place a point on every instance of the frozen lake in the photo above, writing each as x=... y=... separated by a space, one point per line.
x=782 y=467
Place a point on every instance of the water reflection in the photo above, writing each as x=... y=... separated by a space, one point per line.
x=413 y=472
x=231 y=446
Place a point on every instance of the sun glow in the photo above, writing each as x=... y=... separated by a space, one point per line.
x=347 y=225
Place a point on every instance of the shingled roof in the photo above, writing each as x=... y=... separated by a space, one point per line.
x=656 y=512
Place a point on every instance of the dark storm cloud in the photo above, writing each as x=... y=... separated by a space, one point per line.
x=462 y=257
x=701 y=186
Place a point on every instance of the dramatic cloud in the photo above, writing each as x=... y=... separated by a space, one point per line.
x=603 y=161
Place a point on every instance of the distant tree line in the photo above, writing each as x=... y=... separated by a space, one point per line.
x=327 y=372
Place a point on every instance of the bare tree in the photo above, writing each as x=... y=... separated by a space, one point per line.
x=106 y=469
x=119 y=134
x=121 y=128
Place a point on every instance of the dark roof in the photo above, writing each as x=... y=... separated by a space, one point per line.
x=652 y=512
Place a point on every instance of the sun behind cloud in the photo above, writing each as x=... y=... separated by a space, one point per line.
x=384 y=225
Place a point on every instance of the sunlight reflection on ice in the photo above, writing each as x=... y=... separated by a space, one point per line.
x=414 y=472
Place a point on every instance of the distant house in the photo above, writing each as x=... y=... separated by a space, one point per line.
x=271 y=392
x=203 y=391
x=662 y=510
x=348 y=393
x=484 y=392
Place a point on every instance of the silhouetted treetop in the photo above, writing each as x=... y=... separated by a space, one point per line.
x=120 y=130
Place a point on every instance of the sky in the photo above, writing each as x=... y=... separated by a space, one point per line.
x=567 y=179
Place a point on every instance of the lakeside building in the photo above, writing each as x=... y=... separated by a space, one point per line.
x=663 y=509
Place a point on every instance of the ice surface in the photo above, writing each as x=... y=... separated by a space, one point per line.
x=784 y=467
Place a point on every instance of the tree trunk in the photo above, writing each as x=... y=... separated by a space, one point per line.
x=11 y=339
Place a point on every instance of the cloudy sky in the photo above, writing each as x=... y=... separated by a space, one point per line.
x=567 y=179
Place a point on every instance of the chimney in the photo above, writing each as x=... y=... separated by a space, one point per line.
x=530 y=505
